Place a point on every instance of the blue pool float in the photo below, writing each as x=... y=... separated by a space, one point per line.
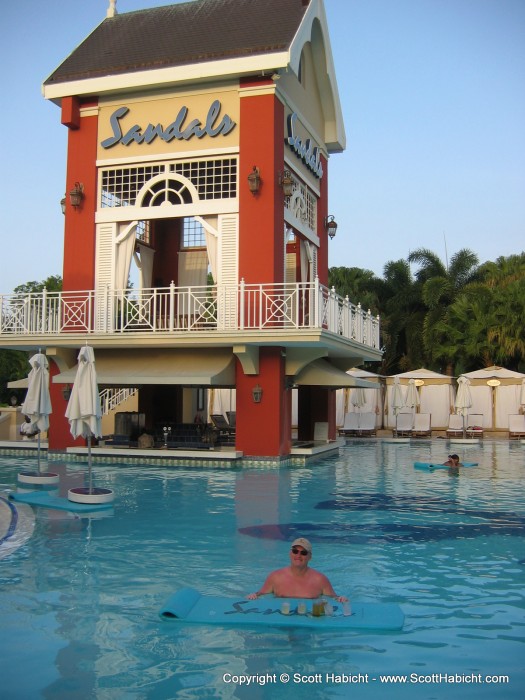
x=45 y=499
x=188 y=605
x=428 y=466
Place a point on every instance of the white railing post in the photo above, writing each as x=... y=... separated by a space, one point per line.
x=367 y=335
x=359 y=324
x=44 y=310
x=332 y=323
x=317 y=302
x=242 y=302
x=260 y=305
x=345 y=317
x=153 y=314
x=172 y=306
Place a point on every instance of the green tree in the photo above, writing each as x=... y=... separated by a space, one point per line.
x=360 y=286
x=402 y=314
x=505 y=278
x=14 y=363
x=51 y=284
x=441 y=286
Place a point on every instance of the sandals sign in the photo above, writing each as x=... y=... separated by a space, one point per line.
x=179 y=128
x=303 y=148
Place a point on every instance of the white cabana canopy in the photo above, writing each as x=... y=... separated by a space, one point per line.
x=496 y=394
x=436 y=395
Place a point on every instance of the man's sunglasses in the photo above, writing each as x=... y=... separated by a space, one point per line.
x=302 y=552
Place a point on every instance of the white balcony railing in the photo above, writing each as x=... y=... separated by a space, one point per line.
x=173 y=310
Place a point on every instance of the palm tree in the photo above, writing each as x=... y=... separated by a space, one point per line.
x=441 y=286
x=402 y=316
x=506 y=279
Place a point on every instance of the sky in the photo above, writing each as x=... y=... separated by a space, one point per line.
x=433 y=101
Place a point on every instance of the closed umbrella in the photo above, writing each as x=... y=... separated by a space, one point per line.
x=397 y=401
x=412 y=397
x=358 y=400
x=84 y=410
x=463 y=399
x=37 y=404
x=522 y=396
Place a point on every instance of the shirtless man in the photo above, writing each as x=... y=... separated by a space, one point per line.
x=453 y=461
x=297 y=580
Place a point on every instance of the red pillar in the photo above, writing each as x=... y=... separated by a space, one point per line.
x=79 y=234
x=59 y=434
x=261 y=215
x=263 y=428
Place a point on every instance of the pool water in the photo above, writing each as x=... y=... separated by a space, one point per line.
x=80 y=596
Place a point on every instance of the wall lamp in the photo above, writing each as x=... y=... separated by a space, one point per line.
x=66 y=391
x=76 y=195
x=330 y=225
x=254 y=180
x=286 y=183
x=257 y=393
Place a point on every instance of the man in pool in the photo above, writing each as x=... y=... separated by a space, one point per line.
x=298 y=580
x=453 y=461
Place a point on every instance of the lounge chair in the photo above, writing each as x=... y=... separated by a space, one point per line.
x=455 y=425
x=221 y=424
x=232 y=418
x=474 y=426
x=367 y=424
x=404 y=424
x=517 y=426
x=422 y=425
x=351 y=424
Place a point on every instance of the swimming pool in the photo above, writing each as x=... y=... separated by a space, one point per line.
x=79 y=597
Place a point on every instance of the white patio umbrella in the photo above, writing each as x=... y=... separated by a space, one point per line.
x=84 y=412
x=522 y=396
x=397 y=401
x=463 y=399
x=412 y=397
x=37 y=404
x=358 y=400
x=358 y=397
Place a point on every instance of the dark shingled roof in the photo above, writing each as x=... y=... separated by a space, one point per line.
x=175 y=35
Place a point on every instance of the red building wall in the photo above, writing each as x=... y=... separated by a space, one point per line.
x=79 y=234
x=262 y=429
x=261 y=216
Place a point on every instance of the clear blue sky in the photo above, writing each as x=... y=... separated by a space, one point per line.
x=433 y=99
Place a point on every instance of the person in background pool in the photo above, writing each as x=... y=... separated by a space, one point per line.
x=453 y=461
x=297 y=580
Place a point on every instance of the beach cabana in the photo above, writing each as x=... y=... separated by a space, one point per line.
x=436 y=396
x=496 y=394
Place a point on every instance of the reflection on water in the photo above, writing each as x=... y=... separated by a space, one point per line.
x=80 y=598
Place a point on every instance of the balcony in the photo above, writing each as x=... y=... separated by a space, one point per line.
x=265 y=311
